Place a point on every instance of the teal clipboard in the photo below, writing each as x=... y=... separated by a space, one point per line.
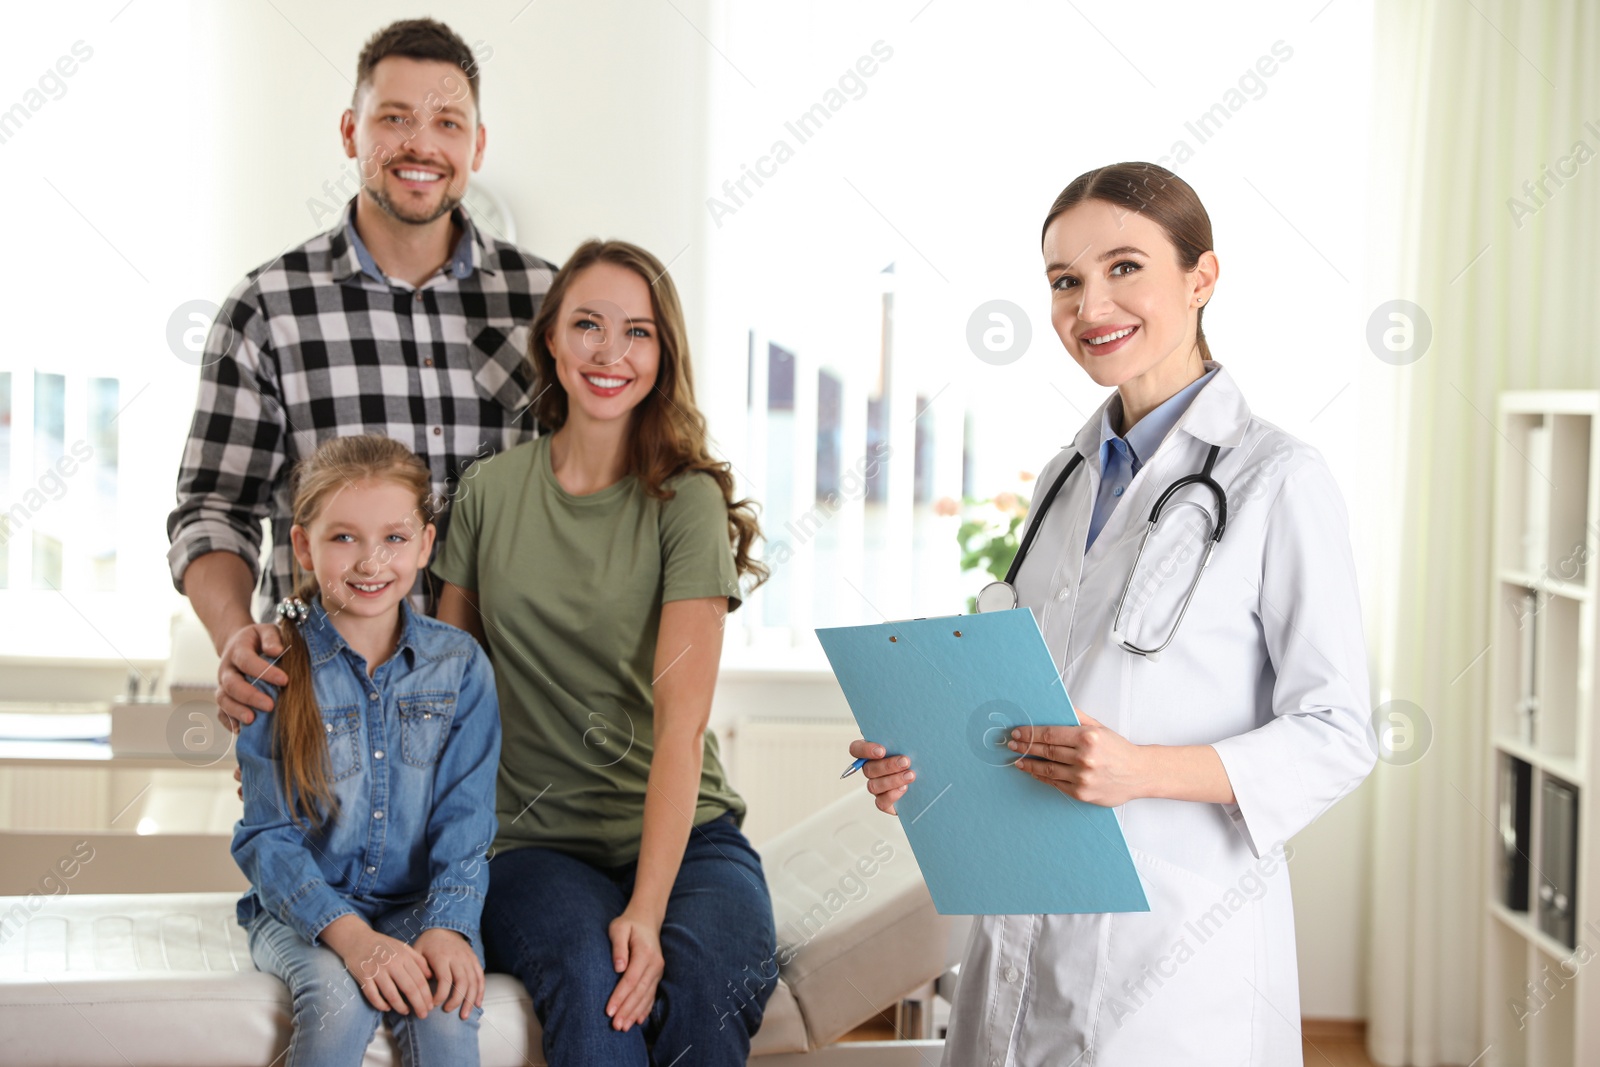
x=990 y=839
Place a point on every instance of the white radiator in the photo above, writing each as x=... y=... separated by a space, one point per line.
x=787 y=768
x=68 y=799
x=53 y=798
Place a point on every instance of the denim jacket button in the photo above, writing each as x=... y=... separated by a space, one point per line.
x=372 y=870
x=377 y=754
x=372 y=696
x=377 y=815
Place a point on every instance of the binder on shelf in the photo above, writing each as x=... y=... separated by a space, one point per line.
x=1528 y=681
x=1558 y=861
x=1516 y=830
x=1536 y=533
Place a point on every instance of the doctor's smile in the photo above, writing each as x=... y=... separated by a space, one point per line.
x=1216 y=733
x=1106 y=340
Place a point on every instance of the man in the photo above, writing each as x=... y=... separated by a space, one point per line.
x=404 y=319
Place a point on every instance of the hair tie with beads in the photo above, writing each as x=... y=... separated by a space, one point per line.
x=294 y=609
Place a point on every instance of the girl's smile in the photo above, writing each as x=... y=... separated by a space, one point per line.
x=365 y=546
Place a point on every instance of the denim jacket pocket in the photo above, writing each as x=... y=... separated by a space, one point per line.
x=424 y=720
x=343 y=727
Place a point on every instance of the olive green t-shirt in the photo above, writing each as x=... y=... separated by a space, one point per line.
x=571 y=588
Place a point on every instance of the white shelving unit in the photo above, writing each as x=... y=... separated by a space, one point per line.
x=1541 y=985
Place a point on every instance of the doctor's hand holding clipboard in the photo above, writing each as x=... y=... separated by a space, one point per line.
x=1190 y=569
x=1087 y=762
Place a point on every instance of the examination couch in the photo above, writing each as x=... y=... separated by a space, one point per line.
x=166 y=980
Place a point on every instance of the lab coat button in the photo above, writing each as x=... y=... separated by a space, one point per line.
x=1012 y=975
x=1064 y=594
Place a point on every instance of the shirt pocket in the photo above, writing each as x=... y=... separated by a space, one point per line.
x=424 y=720
x=501 y=368
x=343 y=728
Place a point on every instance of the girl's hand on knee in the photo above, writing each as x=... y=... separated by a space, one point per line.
x=458 y=977
x=636 y=955
x=393 y=976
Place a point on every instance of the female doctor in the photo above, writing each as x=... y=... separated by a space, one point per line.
x=1248 y=725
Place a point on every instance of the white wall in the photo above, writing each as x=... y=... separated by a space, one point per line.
x=595 y=115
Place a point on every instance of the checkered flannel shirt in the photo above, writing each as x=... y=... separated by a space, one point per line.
x=319 y=343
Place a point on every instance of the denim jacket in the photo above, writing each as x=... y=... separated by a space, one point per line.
x=414 y=751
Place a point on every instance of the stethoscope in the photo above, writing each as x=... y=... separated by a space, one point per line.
x=1002 y=595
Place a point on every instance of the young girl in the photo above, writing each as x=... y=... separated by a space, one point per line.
x=369 y=793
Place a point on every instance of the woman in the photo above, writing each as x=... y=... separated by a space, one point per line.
x=1250 y=724
x=596 y=564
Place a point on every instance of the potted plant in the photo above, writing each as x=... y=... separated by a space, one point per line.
x=989 y=532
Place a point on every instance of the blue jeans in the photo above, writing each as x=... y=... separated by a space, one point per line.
x=334 y=1023
x=546 y=921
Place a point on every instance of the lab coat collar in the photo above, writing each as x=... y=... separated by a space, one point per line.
x=1218 y=415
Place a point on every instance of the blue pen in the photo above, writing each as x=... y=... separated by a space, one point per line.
x=854 y=767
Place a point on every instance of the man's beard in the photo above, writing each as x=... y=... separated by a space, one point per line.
x=447 y=204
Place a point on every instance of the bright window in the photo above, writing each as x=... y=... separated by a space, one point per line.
x=875 y=176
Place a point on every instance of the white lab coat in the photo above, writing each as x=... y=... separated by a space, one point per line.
x=1269 y=667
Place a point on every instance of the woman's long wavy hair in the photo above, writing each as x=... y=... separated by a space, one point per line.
x=300 y=740
x=1160 y=196
x=668 y=435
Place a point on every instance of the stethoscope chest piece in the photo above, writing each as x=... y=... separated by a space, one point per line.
x=997 y=596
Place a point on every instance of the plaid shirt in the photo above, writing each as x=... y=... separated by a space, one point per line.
x=318 y=343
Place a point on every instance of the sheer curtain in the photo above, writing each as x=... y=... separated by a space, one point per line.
x=1473 y=100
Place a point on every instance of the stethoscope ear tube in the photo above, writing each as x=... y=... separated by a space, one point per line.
x=1201 y=477
x=1037 y=515
x=1002 y=595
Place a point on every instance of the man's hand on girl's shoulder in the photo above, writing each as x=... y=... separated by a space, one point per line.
x=251 y=654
